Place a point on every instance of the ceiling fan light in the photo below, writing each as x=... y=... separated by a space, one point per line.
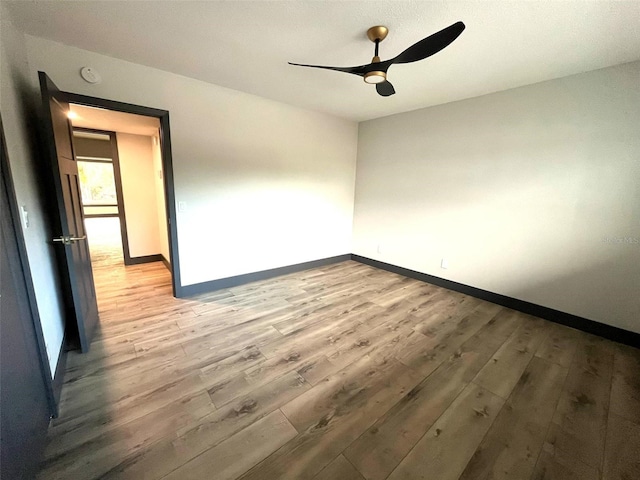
x=375 y=77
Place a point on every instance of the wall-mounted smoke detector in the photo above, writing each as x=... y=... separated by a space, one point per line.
x=90 y=75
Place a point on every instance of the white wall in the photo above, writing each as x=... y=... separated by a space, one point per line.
x=517 y=190
x=265 y=184
x=161 y=208
x=139 y=191
x=19 y=129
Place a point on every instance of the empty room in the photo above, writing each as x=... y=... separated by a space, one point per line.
x=329 y=240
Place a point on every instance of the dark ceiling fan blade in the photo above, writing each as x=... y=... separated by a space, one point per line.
x=360 y=70
x=385 y=89
x=430 y=45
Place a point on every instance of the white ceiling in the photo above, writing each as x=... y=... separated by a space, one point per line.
x=101 y=119
x=246 y=45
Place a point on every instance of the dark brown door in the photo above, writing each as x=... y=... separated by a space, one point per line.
x=24 y=411
x=74 y=259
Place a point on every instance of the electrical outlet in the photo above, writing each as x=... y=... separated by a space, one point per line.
x=182 y=206
x=379 y=249
x=444 y=263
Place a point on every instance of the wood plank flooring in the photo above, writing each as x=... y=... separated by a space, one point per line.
x=341 y=372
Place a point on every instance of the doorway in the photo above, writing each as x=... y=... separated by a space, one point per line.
x=120 y=175
x=132 y=131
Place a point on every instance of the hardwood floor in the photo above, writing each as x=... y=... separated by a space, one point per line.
x=341 y=372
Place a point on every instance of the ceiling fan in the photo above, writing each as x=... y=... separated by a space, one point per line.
x=376 y=71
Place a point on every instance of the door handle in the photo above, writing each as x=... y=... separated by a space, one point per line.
x=67 y=240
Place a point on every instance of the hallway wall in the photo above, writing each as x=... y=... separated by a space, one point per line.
x=139 y=190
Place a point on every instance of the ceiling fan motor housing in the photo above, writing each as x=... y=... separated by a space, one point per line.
x=375 y=76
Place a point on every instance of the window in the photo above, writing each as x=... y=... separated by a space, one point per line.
x=98 y=187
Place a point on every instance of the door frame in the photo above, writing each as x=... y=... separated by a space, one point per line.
x=167 y=166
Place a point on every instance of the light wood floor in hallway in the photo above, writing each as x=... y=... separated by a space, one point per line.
x=342 y=372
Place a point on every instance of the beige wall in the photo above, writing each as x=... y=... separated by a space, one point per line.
x=264 y=184
x=16 y=104
x=139 y=191
x=517 y=190
x=163 y=230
